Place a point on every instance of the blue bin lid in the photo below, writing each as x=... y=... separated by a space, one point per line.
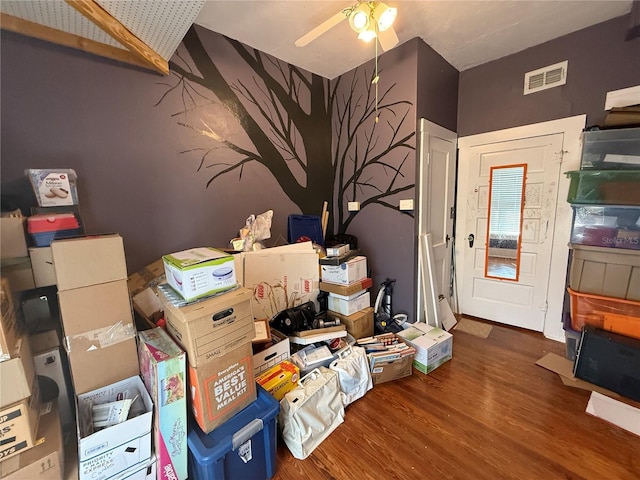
x=209 y=448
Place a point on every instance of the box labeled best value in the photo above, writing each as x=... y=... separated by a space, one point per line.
x=221 y=388
x=163 y=368
x=345 y=273
x=433 y=345
x=107 y=452
x=212 y=327
x=199 y=272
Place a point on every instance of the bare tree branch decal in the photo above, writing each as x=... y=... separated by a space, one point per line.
x=317 y=138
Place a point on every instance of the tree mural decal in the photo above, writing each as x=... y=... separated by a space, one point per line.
x=288 y=118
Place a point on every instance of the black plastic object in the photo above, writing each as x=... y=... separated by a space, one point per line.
x=295 y=319
x=609 y=360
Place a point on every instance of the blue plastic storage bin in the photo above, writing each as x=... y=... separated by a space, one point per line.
x=304 y=227
x=242 y=448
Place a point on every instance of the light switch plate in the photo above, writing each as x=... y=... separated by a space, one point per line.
x=406 y=204
x=353 y=206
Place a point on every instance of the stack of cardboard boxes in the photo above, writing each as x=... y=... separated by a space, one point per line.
x=100 y=340
x=31 y=434
x=344 y=277
x=215 y=331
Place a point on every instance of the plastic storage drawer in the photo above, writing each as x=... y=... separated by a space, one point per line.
x=606 y=272
x=608 y=226
x=242 y=448
x=611 y=314
x=617 y=148
x=44 y=228
x=607 y=187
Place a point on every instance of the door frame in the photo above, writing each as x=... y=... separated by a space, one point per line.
x=427 y=129
x=571 y=128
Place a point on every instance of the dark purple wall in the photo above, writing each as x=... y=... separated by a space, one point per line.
x=437 y=88
x=600 y=60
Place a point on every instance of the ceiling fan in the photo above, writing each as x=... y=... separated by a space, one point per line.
x=368 y=19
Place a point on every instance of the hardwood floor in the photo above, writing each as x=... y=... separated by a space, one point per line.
x=489 y=413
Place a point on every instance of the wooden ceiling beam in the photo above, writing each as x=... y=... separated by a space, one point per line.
x=59 y=37
x=103 y=19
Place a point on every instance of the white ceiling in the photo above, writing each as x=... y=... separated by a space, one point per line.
x=465 y=33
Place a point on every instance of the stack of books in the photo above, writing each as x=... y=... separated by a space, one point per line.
x=384 y=348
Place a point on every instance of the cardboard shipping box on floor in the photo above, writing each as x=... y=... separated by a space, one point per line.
x=222 y=387
x=279 y=277
x=268 y=355
x=8 y=320
x=100 y=336
x=121 y=447
x=211 y=327
x=433 y=345
x=163 y=368
x=19 y=401
x=88 y=260
x=45 y=461
x=359 y=325
x=388 y=371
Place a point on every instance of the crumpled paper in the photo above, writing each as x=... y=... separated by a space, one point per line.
x=256 y=229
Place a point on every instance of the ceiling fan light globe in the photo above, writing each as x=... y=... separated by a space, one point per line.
x=359 y=18
x=384 y=16
x=367 y=35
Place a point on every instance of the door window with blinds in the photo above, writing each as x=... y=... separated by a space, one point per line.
x=504 y=232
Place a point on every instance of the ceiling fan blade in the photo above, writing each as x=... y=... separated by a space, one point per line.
x=320 y=29
x=388 y=39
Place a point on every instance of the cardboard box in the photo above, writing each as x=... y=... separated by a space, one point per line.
x=163 y=368
x=45 y=461
x=433 y=345
x=20 y=407
x=222 y=387
x=99 y=332
x=213 y=327
x=388 y=371
x=346 y=273
x=359 y=325
x=44 y=273
x=350 y=289
x=19 y=425
x=146 y=472
x=13 y=241
x=280 y=379
x=89 y=260
x=8 y=321
x=348 y=305
x=107 y=452
x=143 y=290
x=279 y=350
x=19 y=273
x=17 y=374
x=279 y=277
x=199 y=272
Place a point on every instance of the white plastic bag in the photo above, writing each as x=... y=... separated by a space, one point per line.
x=354 y=376
x=311 y=411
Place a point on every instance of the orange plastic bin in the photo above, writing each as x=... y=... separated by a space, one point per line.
x=611 y=314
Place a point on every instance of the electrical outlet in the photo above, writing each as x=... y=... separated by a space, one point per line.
x=353 y=206
x=406 y=204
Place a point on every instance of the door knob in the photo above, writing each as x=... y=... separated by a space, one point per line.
x=446 y=239
x=471 y=238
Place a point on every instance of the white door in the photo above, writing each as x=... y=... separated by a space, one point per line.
x=435 y=211
x=521 y=303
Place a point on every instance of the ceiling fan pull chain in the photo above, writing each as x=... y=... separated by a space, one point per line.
x=376 y=78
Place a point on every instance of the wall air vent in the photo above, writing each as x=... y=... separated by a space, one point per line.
x=547 y=77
